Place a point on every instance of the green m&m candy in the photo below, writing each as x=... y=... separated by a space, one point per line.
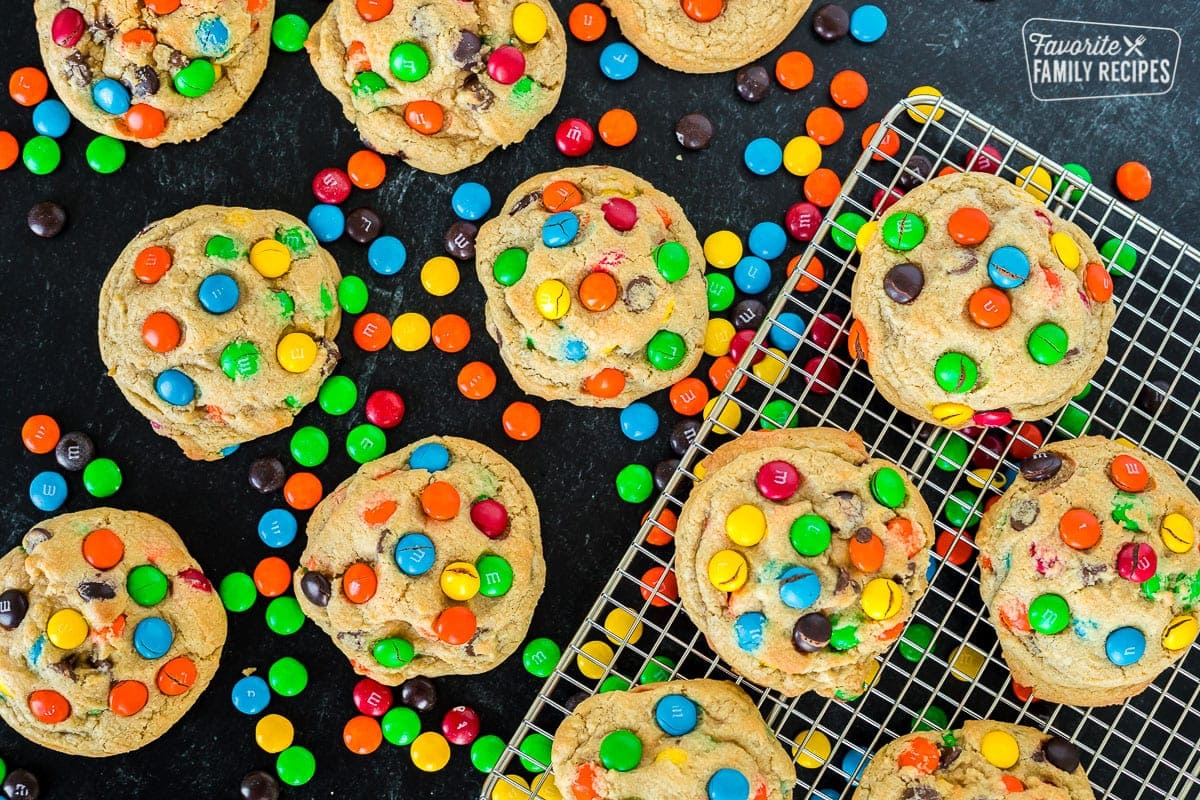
x=955 y=373
x=845 y=228
x=352 y=294
x=287 y=306
x=239 y=360
x=915 y=641
x=289 y=32
x=196 y=79
x=495 y=575
x=337 y=395
x=1047 y=344
x=1121 y=258
x=666 y=350
x=41 y=155
x=621 y=750
x=810 y=535
x=102 y=477
x=485 y=751
x=296 y=766
x=401 y=726
x=237 y=592
x=393 y=652
x=1049 y=614
x=961 y=510
x=777 y=414
x=535 y=752
x=105 y=154
x=1066 y=189
x=634 y=483
x=932 y=719
x=903 y=230
x=367 y=83
x=540 y=657
x=309 y=446
x=409 y=62
x=952 y=452
x=299 y=239
x=365 y=443
x=887 y=486
x=287 y=677
x=509 y=266
x=844 y=638
x=672 y=261
x=613 y=683
x=147 y=585
x=720 y=291
x=657 y=670
x=284 y=616
x=221 y=247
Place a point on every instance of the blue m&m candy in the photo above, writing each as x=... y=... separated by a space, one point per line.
x=786 y=332
x=575 y=350
x=212 y=36
x=471 y=201
x=1008 y=267
x=415 y=554
x=51 y=118
x=560 y=229
x=174 y=387
x=799 y=587
x=152 y=638
x=48 y=491
x=748 y=630
x=327 y=222
x=853 y=764
x=619 y=61
x=1125 y=646
x=387 y=255
x=111 y=96
x=763 y=156
x=768 y=240
x=728 y=784
x=752 y=275
x=277 y=527
x=251 y=695
x=639 y=421
x=868 y=23
x=218 y=293
x=676 y=715
x=430 y=456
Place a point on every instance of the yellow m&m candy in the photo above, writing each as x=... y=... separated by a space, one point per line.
x=296 y=352
x=729 y=418
x=952 y=414
x=460 y=581
x=1180 y=632
x=430 y=752
x=593 y=658
x=411 y=332
x=553 y=299
x=271 y=258
x=746 y=525
x=923 y=111
x=966 y=663
x=440 y=276
x=621 y=626
x=67 y=629
x=1036 y=181
x=529 y=23
x=882 y=599
x=814 y=752
x=863 y=237
x=727 y=570
x=518 y=789
x=1177 y=533
x=274 y=733
x=773 y=368
x=802 y=156
x=675 y=755
x=723 y=249
x=1000 y=749
x=1065 y=248
x=717 y=337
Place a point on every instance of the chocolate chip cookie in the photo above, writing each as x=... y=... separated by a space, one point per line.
x=676 y=740
x=427 y=561
x=975 y=305
x=801 y=558
x=218 y=325
x=109 y=632
x=1089 y=569
x=595 y=286
x=441 y=83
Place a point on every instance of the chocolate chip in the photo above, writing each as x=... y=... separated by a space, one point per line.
x=1061 y=753
x=47 y=219
x=916 y=171
x=1092 y=572
x=694 y=131
x=524 y=203
x=683 y=434
x=363 y=225
x=1041 y=466
x=969 y=263
x=316 y=588
x=811 y=633
x=267 y=474
x=101 y=665
x=145 y=81
x=65 y=666
x=831 y=22
x=467 y=49
x=96 y=590
x=947 y=755
x=21 y=784
x=749 y=315
x=13 y=607
x=1152 y=396
x=843 y=580
x=74 y=451
x=460 y=239
x=482 y=94
x=753 y=83
x=1024 y=513
x=419 y=694
x=640 y=294
x=35 y=537
x=903 y=283
x=178 y=60
x=663 y=472
x=77 y=69
x=853 y=509
x=259 y=785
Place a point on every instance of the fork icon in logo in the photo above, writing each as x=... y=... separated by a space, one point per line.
x=1134 y=46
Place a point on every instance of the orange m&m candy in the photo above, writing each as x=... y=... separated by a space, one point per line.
x=866 y=551
x=476 y=380
x=372 y=332
x=126 y=698
x=176 y=676
x=903 y=529
x=848 y=89
x=989 y=307
x=954 y=549
x=144 y=121
x=455 y=625
x=617 y=127
x=380 y=513
x=28 y=86
x=689 y=396
x=9 y=150
x=40 y=434
x=424 y=116
x=587 y=22
x=151 y=264
x=720 y=372
x=138 y=37
x=921 y=754
x=794 y=70
x=440 y=500
x=821 y=187
x=272 y=576
x=359 y=583
x=451 y=333
x=162 y=7
x=889 y=145
x=1129 y=474
x=161 y=332
x=373 y=10
x=815 y=271
x=521 y=421
x=856 y=342
x=1079 y=529
x=703 y=10
x=824 y=125
x=968 y=225
x=103 y=549
x=302 y=490
x=1133 y=180
x=1026 y=441
x=366 y=168
x=663 y=532
x=49 y=706
x=561 y=196
x=1098 y=282
x=659 y=594
x=362 y=734
x=1012 y=784
x=598 y=291
x=606 y=383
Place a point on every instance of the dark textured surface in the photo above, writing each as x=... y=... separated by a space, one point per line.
x=266 y=157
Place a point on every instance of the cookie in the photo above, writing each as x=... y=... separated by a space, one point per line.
x=706 y=35
x=156 y=71
x=982 y=759
x=595 y=287
x=427 y=561
x=218 y=325
x=677 y=740
x=109 y=631
x=441 y=83
x=801 y=558
x=1089 y=569
x=974 y=305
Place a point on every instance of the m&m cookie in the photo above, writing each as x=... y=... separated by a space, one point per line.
x=156 y=71
x=109 y=631
x=678 y=739
x=595 y=286
x=218 y=325
x=707 y=35
x=975 y=305
x=1090 y=571
x=982 y=759
x=427 y=562
x=801 y=558
x=441 y=83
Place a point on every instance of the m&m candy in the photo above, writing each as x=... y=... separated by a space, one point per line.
x=620 y=750
x=882 y=598
x=728 y=570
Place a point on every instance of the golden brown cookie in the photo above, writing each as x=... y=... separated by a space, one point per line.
x=218 y=325
x=154 y=71
x=975 y=305
x=801 y=558
x=109 y=632
x=441 y=83
x=676 y=740
x=427 y=561
x=595 y=286
x=1089 y=569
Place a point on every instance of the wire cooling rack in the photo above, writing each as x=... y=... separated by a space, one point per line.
x=1147 y=391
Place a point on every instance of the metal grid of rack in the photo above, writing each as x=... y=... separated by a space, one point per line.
x=1148 y=391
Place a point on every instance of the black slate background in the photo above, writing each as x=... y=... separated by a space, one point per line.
x=266 y=158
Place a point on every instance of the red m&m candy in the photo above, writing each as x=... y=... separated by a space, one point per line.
x=460 y=725
x=331 y=185
x=385 y=408
x=1137 y=562
x=621 y=214
x=802 y=221
x=506 y=65
x=490 y=517
x=372 y=697
x=574 y=137
x=778 y=480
